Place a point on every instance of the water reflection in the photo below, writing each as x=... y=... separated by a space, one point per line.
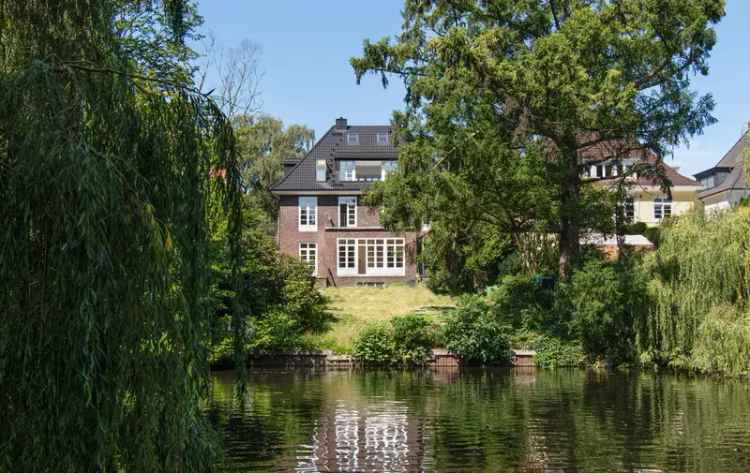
x=481 y=420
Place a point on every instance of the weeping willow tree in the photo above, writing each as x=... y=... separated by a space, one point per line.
x=701 y=290
x=109 y=166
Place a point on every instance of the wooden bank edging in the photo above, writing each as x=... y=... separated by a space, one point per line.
x=327 y=359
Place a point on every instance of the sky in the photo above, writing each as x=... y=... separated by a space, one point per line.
x=306 y=46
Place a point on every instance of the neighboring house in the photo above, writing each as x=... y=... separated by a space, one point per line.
x=322 y=219
x=646 y=201
x=724 y=185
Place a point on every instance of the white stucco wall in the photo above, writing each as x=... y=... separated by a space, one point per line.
x=683 y=201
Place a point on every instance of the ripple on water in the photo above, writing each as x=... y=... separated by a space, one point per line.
x=481 y=421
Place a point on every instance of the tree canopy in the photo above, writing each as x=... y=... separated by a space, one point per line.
x=264 y=144
x=491 y=83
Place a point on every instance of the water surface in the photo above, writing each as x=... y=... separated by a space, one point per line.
x=473 y=421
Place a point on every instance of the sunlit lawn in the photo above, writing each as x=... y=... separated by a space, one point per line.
x=354 y=307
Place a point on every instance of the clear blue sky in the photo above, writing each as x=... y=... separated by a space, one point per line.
x=306 y=46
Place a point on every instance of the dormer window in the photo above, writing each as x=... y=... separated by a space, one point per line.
x=382 y=139
x=352 y=139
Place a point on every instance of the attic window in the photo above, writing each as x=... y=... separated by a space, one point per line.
x=352 y=139
x=382 y=139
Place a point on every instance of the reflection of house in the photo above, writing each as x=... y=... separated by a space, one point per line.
x=646 y=201
x=724 y=185
x=322 y=219
x=373 y=437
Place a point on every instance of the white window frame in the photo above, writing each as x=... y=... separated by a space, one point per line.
x=629 y=208
x=320 y=170
x=382 y=136
x=389 y=246
x=304 y=254
x=350 y=202
x=662 y=208
x=349 y=251
x=389 y=253
x=352 y=139
x=348 y=171
x=309 y=203
x=368 y=163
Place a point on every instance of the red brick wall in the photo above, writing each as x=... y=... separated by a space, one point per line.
x=289 y=238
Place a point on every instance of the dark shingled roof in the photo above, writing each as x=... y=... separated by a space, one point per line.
x=332 y=146
x=732 y=160
x=607 y=149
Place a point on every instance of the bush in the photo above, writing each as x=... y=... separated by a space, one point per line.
x=413 y=338
x=520 y=302
x=474 y=334
x=277 y=331
x=607 y=300
x=552 y=352
x=375 y=345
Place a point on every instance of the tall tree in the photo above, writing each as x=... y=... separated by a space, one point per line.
x=109 y=164
x=566 y=74
x=233 y=74
x=264 y=144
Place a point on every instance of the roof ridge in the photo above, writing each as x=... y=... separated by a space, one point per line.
x=746 y=134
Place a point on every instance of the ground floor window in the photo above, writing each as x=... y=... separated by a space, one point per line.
x=308 y=253
x=662 y=208
x=627 y=208
x=371 y=256
x=347 y=256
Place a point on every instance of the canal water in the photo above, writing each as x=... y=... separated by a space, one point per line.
x=473 y=421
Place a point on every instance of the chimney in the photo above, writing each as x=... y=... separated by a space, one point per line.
x=341 y=124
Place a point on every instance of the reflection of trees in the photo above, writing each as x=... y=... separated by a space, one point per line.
x=483 y=420
x=265 y=423
x=477 y=422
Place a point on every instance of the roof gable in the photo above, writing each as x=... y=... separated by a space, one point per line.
x=331 y=147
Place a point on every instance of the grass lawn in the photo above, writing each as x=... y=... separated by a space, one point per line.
x=354 y=307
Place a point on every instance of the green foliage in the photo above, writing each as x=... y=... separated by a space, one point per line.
x=461 y=259
x=413 y=337
x=607 y=300
x=701 y=268
x=279 y=300
x=654 y=234
x=723 y=342
x=553 y=352
x=107 y=179
x=505 y=99
x=474 y=334
x=407 y=340
x=521 y=303
x=263 y=145
x=275 y=331
x=375 y=345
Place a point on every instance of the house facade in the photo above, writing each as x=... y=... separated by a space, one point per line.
x=322 y=219
x=646 y=201
x=724 y=185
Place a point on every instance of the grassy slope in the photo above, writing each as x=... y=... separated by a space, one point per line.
x=355 y=307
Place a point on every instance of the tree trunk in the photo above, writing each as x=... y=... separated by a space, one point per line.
x=570 y=199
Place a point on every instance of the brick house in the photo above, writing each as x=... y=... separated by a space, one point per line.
x=322 y=219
